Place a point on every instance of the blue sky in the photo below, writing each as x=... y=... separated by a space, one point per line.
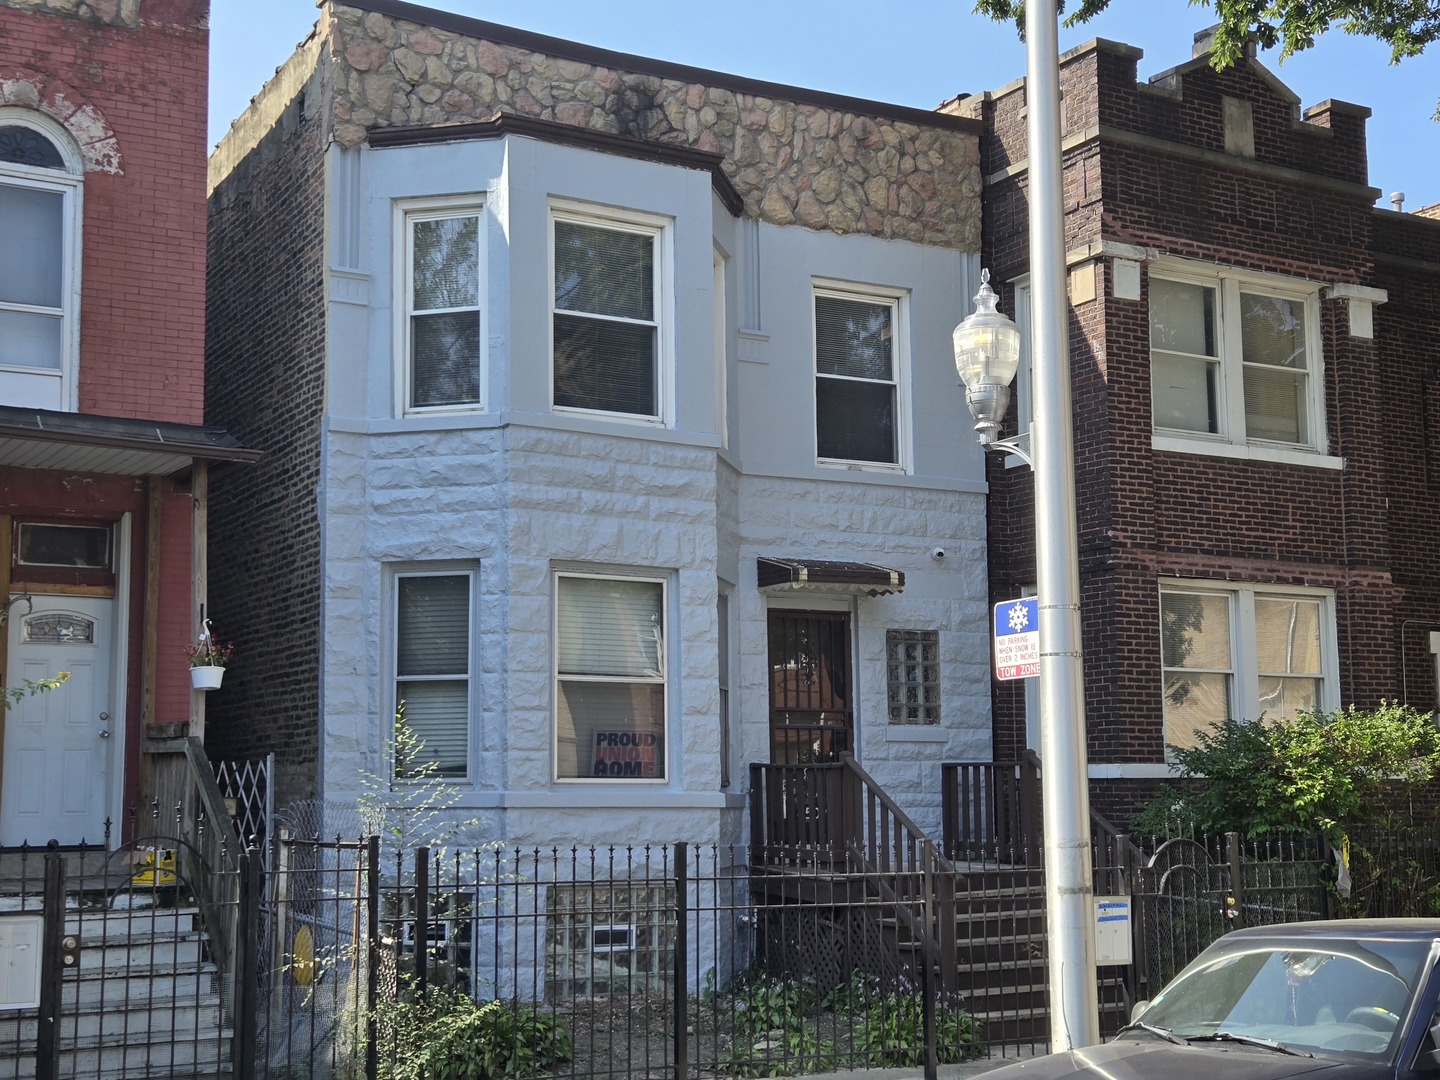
x=907 y=52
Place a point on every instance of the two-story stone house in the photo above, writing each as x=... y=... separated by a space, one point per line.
x=103 y=452
x=611 y=425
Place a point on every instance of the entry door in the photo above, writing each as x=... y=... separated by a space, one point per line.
x=59 y=769
x=811 y=718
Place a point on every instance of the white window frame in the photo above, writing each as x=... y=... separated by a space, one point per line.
x=28 y=386
x=663 y=681
x=406 y=214
x=661 y=231
x=1232 y=439
x=899 y=302
x=396 y=574
x=1245 y=674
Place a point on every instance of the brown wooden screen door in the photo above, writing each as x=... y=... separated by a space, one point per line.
x=810 y=708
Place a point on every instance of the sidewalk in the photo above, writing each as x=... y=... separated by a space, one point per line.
x=963 y=1071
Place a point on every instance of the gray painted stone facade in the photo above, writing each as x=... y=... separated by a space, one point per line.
x=516 y=491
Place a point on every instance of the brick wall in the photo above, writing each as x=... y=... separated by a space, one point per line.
x=1146 y=166
x=143 y=272
x=265 y=385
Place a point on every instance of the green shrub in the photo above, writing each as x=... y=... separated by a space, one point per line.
x=1316 y=770
x=447 y=1036
x=894 y=1031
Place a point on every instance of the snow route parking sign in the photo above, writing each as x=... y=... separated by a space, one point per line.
x=1017 y=639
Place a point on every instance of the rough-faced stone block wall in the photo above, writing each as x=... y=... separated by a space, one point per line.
x=131 y=94
x=265 y=385
x=822 y=165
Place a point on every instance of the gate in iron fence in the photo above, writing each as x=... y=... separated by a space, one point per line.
x=1193 y=889
x=141 y=961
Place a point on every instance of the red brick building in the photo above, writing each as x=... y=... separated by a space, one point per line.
x=1257 y=409
x=103 y=452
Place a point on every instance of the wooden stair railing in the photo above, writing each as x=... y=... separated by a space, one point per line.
x=908 y=871
x=836 y=813
x=990 y=811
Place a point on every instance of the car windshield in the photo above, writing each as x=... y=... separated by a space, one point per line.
x=1329 y=997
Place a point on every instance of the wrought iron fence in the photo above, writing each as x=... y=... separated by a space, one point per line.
x=674 y=960
x=594 y=962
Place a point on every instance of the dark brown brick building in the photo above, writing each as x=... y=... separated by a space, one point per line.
x=1255 y=382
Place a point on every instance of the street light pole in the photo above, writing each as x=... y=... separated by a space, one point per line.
x=1064 y=776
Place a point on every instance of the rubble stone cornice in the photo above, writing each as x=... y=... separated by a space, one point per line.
x=826 y=167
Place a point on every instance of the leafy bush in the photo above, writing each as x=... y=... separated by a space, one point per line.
x=894 y=1030
x=1314 y=771
x=764 y=1003
x=447 y=1036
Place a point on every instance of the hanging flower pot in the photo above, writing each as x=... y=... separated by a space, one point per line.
x=206 y=677
x=208 y=658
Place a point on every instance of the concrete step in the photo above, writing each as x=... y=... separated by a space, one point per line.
x=122 y=988
x=151 y=924
x=139 y=1022
x=115 y=1058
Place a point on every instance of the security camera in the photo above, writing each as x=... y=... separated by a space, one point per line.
x=937 y=554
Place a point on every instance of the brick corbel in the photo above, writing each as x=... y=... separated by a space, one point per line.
x=1361 y=300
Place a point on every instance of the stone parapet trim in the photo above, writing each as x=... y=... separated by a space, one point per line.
x=123 y=13
x=823 y=167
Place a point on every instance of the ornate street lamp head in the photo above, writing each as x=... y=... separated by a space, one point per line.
x=987 y=354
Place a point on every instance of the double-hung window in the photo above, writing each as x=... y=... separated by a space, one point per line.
x=39 y=221
x=608 y=299
x=1235 y=359
x=609 y=678
x=443 y=289
x=432 y=667
x=860 y=353
x=1237 y=651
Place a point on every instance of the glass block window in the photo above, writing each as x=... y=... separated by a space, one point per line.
x=913 y=676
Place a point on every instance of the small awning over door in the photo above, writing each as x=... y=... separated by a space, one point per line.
x=819 y=575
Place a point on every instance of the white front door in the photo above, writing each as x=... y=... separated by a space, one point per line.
x=59 y=769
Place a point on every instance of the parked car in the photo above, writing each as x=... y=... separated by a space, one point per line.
x=1351 y=998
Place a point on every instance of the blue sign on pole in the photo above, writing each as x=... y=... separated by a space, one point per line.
x=1017 y=638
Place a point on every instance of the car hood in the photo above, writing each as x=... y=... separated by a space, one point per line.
x=1153 y=1059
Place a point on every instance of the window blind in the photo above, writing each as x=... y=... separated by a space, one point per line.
x=610 y=627
x=432 y=662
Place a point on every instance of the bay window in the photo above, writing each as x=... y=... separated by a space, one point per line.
x=609 y=678
x=608 y=299
x=432 y=667
x=442 y=285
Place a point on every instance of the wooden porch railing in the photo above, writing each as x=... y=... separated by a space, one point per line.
x=187 y=799
x=837 y=813
x=990 y=811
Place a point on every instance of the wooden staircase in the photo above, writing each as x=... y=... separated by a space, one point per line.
x=145 y=1001
x=986 y=940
